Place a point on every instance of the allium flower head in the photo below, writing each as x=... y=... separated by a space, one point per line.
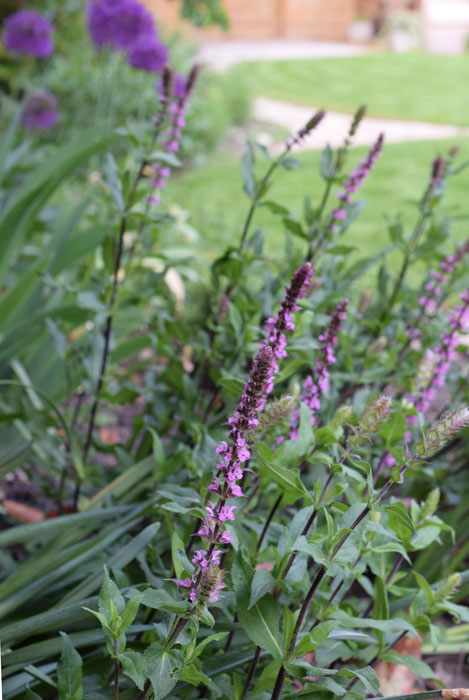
x=40 y=111
x=119 y=24
x=148 y=54
x=27 y=31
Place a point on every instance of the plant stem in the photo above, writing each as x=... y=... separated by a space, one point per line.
x=320 y=575
x=273 y=510
x=395 y=568
x=259 y=191
x=418 y=230
x=115 y=284
x=251 y=672
x=116 y=671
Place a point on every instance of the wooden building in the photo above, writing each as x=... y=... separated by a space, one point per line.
x=326 y=20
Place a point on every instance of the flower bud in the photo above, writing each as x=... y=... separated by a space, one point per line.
x=442 y=431
x=448 y=587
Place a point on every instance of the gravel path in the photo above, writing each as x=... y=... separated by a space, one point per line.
x=333 y=128
x=221 y=55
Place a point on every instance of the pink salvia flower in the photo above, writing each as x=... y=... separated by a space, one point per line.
x=430 y=299
x=231 y=456
x=318 y=383
x=354 y=180
x=444 y=353
x=175 y=103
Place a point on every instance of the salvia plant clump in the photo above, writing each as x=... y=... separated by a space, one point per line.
x=248 y=476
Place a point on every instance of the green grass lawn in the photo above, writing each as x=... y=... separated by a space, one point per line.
x=414 y=86
x=217 y=205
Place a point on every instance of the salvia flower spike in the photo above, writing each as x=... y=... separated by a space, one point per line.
x=310 y=125
x=442 y=355
x=175 y=100
x=205 y=585
x=317 y=383
x=375 y=414
x=442 y=431
x=355 y=180
x=433 y=290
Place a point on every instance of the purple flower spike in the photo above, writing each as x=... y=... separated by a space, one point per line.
x=179 y=86
x=444 y=353
x=26 y=31
x=433 y=292
x=148 y=54
x=174 y=93
x=317 y=383
x=276 y=326
x=355 y=180
x=234 y=455
x=40 y=111
x=119 y=24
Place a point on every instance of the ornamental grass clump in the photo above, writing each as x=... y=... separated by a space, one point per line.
x=268 y=462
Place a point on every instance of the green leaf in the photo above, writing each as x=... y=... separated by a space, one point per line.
x=381 y=604
x=31 y=695
x=208 y=640
x=163 y=667
x=288 y=479
x=326 y=163
x=133 y=665
x=109 y=595
x=261 y=584
x=193 y=676
x=69 y=672
x=267 y=678
x=392 y=432
x=159 y=599
x=129 y=613
x=247 y=170
x=398 y=516
x=289 y=163
x=391 y=547
x=111 y=175
x=20 y=214
x=368 y=677
x=261 y=624
x=325 y=437
x=315 y=637
x=425 y=587
x=418 y=667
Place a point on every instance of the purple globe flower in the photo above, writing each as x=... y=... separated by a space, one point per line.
x=148 y=54
x=119 y=24
x=26 y=31
x=40 y=111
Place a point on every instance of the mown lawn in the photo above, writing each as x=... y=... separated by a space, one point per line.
x=213 y=195
x=415 y=86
